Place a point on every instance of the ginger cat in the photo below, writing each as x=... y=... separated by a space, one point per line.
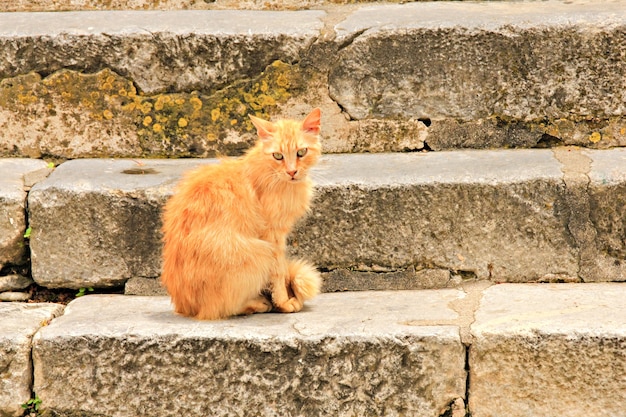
x=225 y=227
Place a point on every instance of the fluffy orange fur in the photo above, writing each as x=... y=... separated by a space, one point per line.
x=225 y=227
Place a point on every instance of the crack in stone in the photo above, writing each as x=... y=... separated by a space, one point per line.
x=350 y=39
x=576 y=167
x=467 y=306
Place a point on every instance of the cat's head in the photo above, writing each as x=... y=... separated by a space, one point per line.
x=290 y=147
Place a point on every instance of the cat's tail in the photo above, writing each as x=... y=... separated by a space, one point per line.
x=306 y=281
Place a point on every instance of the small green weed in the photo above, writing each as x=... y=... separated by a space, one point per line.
x=32 y=405
x=28 y=232
x=83 y=291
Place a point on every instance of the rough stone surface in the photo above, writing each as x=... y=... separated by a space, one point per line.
x=14 y=282
x=136 y=84
x=62 y=5
x=429 y=220
x=551 y=69
x=438 y=75
x=548 y=350
x=18 y=324
x=94 y=225
x=144 y=286
x=484 y=214
x=406 y=279
x=173 y=51
x=96 y=222
x=607 y=215
x=344 y=354
x=14 y=296
x=13 y=207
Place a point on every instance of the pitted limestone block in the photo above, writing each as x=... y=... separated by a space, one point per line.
x=181 y=50
x=70 y=114
x=404 y=279
x=18 y=323
x=13 y=207
x=96 y=222
x=557 y=67
x=499 y=215
x=14 y=282
x=343 y=355
x=549 y=350
x=487 y=214
x=607 y=215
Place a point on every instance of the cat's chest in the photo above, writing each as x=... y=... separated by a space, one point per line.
x=283 y=209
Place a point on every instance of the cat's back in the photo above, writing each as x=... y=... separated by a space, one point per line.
x=225 y=175
x=212 y=190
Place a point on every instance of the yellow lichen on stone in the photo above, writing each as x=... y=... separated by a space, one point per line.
x=172 y=124
x=595 y=137
x=215 y=114
x=196 y=103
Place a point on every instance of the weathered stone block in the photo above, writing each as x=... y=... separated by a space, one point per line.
x=500 y=215
x=14 y=282
x=13 y=207
x=485 y=214
x=144 y=286
x=404 y=279
x=18 y=324
x=96 y=222
x=607 y=215
x=181 y=50
x=549 y=350
x=344 y=355
x=556 y=67
x=481 y=214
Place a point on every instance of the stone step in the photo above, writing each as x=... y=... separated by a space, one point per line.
x=388 y=77
x=65 y=5
x=379 y=221
x=18 y=324
x=529 y=349
x=17 y=176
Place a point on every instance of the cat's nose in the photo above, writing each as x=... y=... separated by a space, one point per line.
x=292 y=174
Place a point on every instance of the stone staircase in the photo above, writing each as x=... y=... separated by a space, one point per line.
x=470 y=217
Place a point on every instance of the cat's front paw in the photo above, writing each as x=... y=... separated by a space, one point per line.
x=292 y=305
x=257 y=305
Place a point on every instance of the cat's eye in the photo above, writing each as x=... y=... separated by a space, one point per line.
x=278 y=156
x=301 y=152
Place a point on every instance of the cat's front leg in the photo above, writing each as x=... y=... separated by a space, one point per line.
x=282 y=297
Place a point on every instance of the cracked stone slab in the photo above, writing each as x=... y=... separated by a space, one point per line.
x=179 y=50
x=18 y=323
x=495 y=32
x=344 y=354
x=607 y=214
x=596 y=197
x=549 y=349
x=482 y=60
x=13 y=181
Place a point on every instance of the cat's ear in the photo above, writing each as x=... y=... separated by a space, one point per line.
x=312 y=122
x=264 y=128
